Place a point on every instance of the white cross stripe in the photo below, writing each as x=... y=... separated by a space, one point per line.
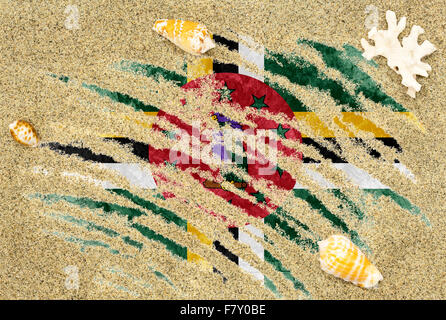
x=257 y=58
x=140 y=177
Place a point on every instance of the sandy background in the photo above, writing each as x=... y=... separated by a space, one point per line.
x=34 y=41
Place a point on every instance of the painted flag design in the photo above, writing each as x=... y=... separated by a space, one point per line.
x=280 y=219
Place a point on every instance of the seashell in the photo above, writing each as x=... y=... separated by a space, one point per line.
x=341 y=258
x=23 y=132
x=190 y=36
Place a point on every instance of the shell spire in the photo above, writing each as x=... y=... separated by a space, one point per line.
x=190 y=36
x=341 y=258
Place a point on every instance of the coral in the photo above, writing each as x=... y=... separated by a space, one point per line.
x=404 y=60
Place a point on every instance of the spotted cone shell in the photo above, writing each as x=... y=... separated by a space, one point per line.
x=23 y=132
x=190 y=36
x=341 y=258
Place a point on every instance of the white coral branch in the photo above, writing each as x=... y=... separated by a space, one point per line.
x=404 y=60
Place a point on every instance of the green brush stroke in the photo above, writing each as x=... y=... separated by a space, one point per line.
x=283 y=213
x=136 y=104
x=84 y=202
x=83 y=242
x=287 y=273
x=295 y=104
x=115 y=96
x=161 y=276
x=151 y=71
x=86 y=224
x=301 y=72
x=116 y=286
x=61 y=78
x=171 y=245
x=337 y=222
x=351 y=206
x=120 y=210
x=91 y=243
x=356 y=54
x=92 y=226
x=286 y=230
x=269 y=284
x=399 y=200
x=335 y=59
x=130 y=276
x=274 y=221
x=132 y=242
x=231 y=176
x=267 y=240
x=159 y=196
x=167 y=215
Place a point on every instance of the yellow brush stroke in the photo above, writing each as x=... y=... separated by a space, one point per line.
x=110 y=136
x=198 y=234
x=141 y=123
x=192 y=257
x=198 y=68
x=195 y=258
x=151 y=113
x=357 y=119
x=151 y=117
x=363 y=124
x=415 y=121
x=318 y=126
x=343 y=127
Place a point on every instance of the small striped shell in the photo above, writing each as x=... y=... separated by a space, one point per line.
x=190 y=36
x=341 y=258
x=23 y=132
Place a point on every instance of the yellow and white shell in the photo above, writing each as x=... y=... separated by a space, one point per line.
x=190 y=36
x=23 y=132
x=341 y=258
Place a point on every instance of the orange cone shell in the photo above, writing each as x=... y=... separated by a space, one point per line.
x=190 y=36
x=341 y=258
x=23 y=132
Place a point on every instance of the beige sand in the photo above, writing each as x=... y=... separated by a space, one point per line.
x=34 y=41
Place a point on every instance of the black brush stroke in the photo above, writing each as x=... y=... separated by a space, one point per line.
x=325 y=152
x=374 y=153
x=84 y=153
x=139 y=149
x=391 y=142
x=228 y=254
x=225 y=67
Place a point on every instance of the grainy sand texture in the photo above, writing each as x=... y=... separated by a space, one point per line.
x=100 y=87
